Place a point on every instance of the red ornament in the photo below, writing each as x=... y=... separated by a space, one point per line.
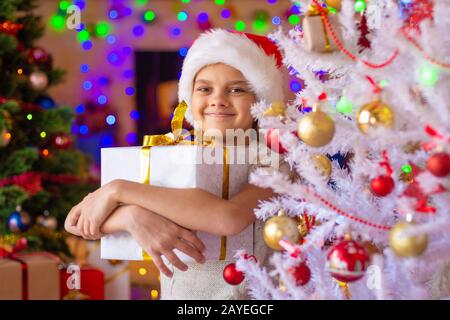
x=37 y=55
x=347 y=261
x=273 y=141
x=63 y=142
x=231 y=275
x=21 y=244
x=301 y=274
x=439 y=164
x=382 y=185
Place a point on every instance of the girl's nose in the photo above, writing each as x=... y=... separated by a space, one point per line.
x=218 y=99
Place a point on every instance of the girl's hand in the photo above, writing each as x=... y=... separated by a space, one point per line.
x=86 y=218
x=160 y=236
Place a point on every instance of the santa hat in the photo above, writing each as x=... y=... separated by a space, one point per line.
x=257 y=57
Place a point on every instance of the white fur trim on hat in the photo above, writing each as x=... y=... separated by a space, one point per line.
x=237 y=51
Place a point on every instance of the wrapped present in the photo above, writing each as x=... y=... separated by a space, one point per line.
x=10 y=280
x=168 y=161
x=82 y=283
x=33 y=276
x=315 y=33
x=116 y=272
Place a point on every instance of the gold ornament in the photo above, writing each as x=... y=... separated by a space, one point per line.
x=277 y=108
x=407 y=246
x=374 y=114
x=280 y=228
x=316 y=129
x=336 y=4
x=322 y=164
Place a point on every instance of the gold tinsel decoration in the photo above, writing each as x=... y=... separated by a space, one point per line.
x=305 y=223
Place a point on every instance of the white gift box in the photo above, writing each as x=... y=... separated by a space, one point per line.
x=178 y=166
x=316 y=36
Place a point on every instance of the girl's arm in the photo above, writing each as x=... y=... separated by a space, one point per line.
x=195 y=209
x=155 y=234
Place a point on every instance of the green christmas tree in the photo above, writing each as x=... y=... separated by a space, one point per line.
x=41 y=174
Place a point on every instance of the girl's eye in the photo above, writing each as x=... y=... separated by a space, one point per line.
x=203 y=89
x=237 y=90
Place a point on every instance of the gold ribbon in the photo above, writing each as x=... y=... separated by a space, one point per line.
x=225 y=194
x=314 y=11
x=172 y=138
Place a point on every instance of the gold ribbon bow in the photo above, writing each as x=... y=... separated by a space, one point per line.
x=176 y=137
x=171 y=138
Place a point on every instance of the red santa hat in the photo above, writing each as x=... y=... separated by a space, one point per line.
x=257 y=57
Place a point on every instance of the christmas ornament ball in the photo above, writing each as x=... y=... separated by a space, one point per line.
x=316 y=129
x=407 y=246
x=39 y=80
x=301 y=274
x=381 y=186
x=374 y=114
x=19 y=221
x=38 y=55
x=280 y=228
x=49 y=222
x=231 y=275
x=322 y=164
x=347 y=261
x=439 y=164
x=62 y=142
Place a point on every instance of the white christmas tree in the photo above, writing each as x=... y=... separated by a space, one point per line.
x=377 y=92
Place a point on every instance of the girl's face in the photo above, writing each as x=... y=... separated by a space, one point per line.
x=222 y=98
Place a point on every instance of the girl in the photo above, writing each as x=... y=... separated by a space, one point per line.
x=223 y=74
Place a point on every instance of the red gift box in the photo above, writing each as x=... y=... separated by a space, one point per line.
x=91 y=283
